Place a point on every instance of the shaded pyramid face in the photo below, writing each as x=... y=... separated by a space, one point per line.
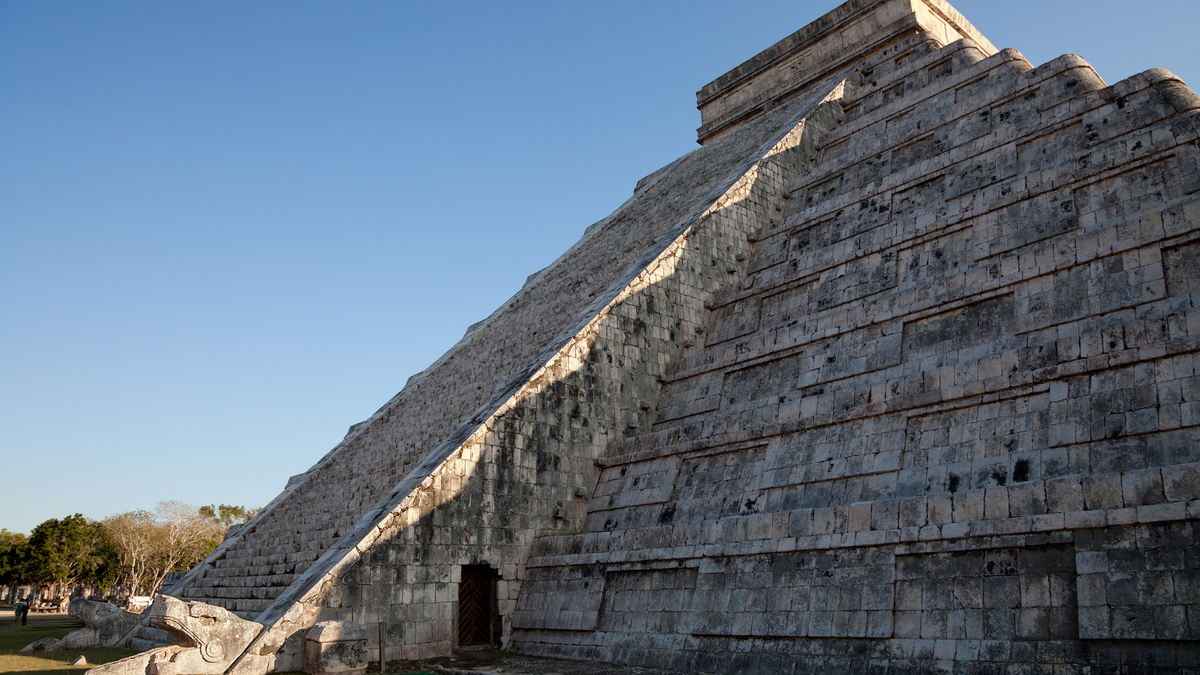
x=897 y=368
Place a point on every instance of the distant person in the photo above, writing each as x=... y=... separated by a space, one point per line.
x=17 y=607
x=23 y=610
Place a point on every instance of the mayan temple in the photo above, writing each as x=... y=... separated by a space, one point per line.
x=899 y=371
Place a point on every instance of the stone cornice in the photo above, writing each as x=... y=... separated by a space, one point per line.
x=851 y=32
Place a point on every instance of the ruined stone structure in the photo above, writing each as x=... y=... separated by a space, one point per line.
x=898 y=371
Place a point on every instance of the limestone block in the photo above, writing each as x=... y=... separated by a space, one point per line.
x=335 y=647
x=105 y=624
x=1182 y=482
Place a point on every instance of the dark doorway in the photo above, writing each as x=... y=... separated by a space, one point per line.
x=476 y=606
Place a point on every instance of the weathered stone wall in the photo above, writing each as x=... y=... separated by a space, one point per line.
x=950 y=415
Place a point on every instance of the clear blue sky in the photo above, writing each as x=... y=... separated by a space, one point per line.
x=228 y=231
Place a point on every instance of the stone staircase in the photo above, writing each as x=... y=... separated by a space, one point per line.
x=146 y=638
x=323 y=505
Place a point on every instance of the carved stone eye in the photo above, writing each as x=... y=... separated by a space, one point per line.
x=212 y=651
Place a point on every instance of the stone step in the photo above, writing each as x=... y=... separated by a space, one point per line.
x=213 y=595
x=153 y=634
x=145 y=638
x=248 y=579
x=251 y=606
x=143 y=645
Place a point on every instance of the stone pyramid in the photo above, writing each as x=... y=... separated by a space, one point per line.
x=898 y=372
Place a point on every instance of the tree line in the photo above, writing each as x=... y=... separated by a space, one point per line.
x=127 y=554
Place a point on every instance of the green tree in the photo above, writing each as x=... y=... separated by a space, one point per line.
x=70 y=551
x=13 y=550
x=227 y=514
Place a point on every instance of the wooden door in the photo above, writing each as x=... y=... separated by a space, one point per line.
x=476 y=605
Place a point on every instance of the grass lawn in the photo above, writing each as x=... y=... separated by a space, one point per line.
x=13 y=638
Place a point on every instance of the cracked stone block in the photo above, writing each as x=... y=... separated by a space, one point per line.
x=335 y=647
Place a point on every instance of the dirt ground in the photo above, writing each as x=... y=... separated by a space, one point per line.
x=12 y=638
x=502 y=663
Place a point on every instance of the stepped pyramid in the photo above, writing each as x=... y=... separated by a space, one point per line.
x=898 y=372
